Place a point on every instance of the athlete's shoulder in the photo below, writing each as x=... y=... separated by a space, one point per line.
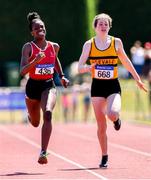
x=88 y=43
x=118 y=43
x=117 y=39
x=56 y=45
x=27 y=45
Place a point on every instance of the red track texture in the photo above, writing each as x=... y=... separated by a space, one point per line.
x=75 y=152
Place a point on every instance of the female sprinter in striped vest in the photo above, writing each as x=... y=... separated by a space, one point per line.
x=103 y=52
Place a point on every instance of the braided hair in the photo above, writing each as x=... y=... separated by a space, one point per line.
x=32 y=16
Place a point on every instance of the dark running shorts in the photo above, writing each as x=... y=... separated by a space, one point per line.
x=34 y=88
x=104 y=88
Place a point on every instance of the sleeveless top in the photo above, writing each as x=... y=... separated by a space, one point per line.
x=45 y=68
x=106 y=61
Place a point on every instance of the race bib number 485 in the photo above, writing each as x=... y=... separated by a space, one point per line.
x=44 y=69
x=104 y=72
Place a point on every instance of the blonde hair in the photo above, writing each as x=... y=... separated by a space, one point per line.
x=101 y=16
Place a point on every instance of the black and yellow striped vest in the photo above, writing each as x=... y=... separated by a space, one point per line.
x=106 y=61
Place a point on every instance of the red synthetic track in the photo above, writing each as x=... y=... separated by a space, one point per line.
x=75 y=153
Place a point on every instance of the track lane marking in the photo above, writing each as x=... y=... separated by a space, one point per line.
x=111 y=144
x=23 y=138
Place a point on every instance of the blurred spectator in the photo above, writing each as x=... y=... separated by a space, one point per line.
x=74 y=98
x=65 y=101
x=23 y=82
x=149 y=81
x=147 y=55
x=137 y=56
x=85 y=87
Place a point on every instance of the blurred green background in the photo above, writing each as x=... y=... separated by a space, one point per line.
x=69 y=23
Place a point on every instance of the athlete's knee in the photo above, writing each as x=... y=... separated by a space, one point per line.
x=35 y=124
x=47 y=116
x=33 y=121
x=112 y=115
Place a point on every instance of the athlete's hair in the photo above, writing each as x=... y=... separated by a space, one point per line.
x=32 y=16
x=102 y=16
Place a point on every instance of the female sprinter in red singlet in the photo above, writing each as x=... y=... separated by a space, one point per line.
x=103 y=52
x=39 y=59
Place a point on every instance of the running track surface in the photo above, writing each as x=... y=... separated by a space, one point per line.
x=75 y=152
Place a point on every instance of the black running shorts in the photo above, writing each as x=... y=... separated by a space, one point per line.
x=34 y=88
x=104 y=88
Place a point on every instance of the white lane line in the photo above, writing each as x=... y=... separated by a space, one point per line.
x=131 y=149
x=23 y=138
x=111 y=144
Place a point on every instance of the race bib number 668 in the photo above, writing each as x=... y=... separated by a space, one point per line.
x=104 y=72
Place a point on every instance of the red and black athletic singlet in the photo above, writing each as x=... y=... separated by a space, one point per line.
x=45 y=68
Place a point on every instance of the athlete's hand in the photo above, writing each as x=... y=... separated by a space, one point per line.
x=64 y=82
x=141 y=85
x=91 y=67
x=40 y=56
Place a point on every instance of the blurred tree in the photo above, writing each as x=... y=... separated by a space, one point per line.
x=91 y=12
